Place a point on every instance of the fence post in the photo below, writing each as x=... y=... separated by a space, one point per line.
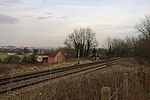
x=105 y=93
x=116 y=85
x=109 y=63
x=126 y=86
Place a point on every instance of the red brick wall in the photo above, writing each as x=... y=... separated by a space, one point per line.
x=50 y=60
x=57 y=59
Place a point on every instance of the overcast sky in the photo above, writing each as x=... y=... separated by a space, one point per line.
x=46 y=23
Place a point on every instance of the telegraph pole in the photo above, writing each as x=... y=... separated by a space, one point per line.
x=78 y=56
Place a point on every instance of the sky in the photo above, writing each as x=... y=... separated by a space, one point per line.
x=46 y=23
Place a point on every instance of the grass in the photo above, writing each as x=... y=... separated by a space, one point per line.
x=88 y=87
x=3 y=56
x=17 y=69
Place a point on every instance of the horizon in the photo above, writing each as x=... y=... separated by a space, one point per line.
x=46 y=23
x=20 y=46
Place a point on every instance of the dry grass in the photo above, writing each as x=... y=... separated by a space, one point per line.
x=87 y=87
x=17 y=69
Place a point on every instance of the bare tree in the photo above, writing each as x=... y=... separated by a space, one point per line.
x=107 y=43
x=144 y=26
x=83 y=39
x=132 y=46
x=116 y=47
x=91 y=41
x=143 y=41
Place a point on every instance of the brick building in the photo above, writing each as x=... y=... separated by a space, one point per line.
x=58 y=58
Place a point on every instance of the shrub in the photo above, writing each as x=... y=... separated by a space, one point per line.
x=13 y=59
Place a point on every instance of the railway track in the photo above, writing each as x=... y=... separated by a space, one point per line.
x=16 y=82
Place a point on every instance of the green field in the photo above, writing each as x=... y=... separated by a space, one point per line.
x=4 y=56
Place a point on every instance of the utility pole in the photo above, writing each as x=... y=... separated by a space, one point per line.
x=78 y=56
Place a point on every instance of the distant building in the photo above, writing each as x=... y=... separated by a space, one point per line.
x=58 y=58
x=3 y=47
x=51 y=58
x=42 y=58
x=11 y=54
x=11 y=47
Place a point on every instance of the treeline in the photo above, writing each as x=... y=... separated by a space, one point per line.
x=24 y=57
x=82 y=40
x=134 y=46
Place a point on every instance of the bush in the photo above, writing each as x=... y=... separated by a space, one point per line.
x=13 y=59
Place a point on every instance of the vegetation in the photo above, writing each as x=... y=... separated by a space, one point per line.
x=134 y=47
x=88 y=86
x=25 y=57
x=13 y=59
x=3 y=56
x=82 y=41
x=8 y=69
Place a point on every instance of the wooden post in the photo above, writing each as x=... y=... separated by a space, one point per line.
x=105 y=93
x=116 y=85
x=126 y=86
x=109 y=63
x=78 y=56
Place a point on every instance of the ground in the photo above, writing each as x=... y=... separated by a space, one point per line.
x=17 y=69
x=3 y=56
x=88 y=86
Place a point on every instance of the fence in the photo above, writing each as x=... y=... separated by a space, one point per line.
x=106 y=92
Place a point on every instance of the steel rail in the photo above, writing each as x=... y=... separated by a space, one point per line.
x=65 y=71
x=45 y=72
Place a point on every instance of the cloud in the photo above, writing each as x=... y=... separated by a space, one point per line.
x=27 y=16
x=41 y=18
x=9 y=2
x=82 y=7
x=45 y=12
x=4 y=19
x=63 y=17
x=49 y=13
